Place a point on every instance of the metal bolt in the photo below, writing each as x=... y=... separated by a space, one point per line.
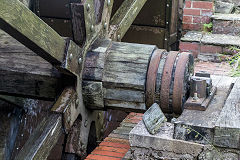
x=77 y=101
x=71 y=56
x=167 y=5
x=92 y=28
x=108 y=2
x=80 y=60
x=165 y=39
x=88 y=7
x=195 y=98
x=118 y=37
x=85 y=123
x=166 y=22
x=69 y=119
x=105 y=25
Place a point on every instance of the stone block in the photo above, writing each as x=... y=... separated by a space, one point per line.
x=162 y=144
x=223 y=7
x=154 y=118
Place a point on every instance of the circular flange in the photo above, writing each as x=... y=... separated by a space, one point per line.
x=151 y=76
x=166 y=81
x=184 y=69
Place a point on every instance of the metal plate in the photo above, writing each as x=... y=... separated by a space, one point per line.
x=152 y=76
x=181 y=79
x=166 y=81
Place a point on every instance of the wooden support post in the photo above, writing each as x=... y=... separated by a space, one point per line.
x=43 y=139
x=124 y=17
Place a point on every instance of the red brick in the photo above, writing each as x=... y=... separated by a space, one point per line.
x=188 y=4
x=206 y=19
x=108 y=153
x=187 y=19
x=202 y=5
x=131 y=120
x=112 y=149
x=188 y=46
x=208 y=13
x=116 y=145
x=100 y=157
x=194 y=12
x=197 y=19
x=194 y=27
x=211 y=49
x=116 y=140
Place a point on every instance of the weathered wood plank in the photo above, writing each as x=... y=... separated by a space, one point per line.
x=203 y=122
x=17 y=20
x=227 y=129
x=24 y=73
x=124 y=17
x=42 y=139
x=125 y=70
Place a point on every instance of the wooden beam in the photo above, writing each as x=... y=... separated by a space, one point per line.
x=22 y=24
x=124 y=17
x=24 y=73
x=43 y=139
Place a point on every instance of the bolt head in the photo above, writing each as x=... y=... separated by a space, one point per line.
x=118 y=37
x=92 y=28
x=80 y=60
x=166 y=22
x=108 y=2
x=105 y=25
x=71 y=56
x=167 y=5
x=88 y=7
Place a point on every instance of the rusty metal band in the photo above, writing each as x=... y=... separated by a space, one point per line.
x=178 y=86
x=159 y=77
x=166 y=81
x=151 y=77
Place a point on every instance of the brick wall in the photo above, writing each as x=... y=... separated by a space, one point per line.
x=196 y=13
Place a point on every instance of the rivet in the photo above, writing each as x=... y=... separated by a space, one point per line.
x=91 y=28
x=88 y=7
x=165 y=39
x=166 y=22
x=105 y=25
x=80 y=60
x=71 y=56
x=167 y=5
x=108 y=2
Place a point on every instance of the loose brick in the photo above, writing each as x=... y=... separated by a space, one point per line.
x=208 y=13
x=193 y=27
x=116 y=145
x=201 y=20
x=108 y=153
x=112 y=149
x=211 y=49
x=202 y=5
x=187 y=19
x=189 y=46
x=100 y=157
x=188 y=4
x=194 y=12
